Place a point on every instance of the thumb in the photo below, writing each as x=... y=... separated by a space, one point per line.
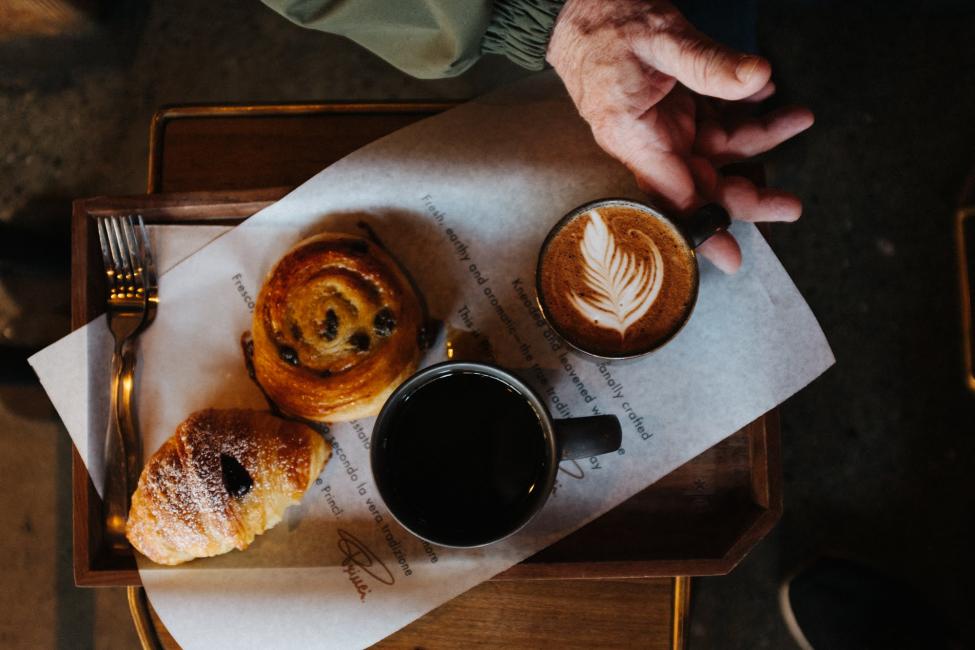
x=703 y=65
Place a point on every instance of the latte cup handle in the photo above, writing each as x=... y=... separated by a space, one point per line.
x=706 y=221
x=588 y=436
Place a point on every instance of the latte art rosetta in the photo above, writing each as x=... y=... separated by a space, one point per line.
x=616 y=278
x=622 y=286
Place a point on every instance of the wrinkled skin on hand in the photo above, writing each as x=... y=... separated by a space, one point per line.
x=670 y=104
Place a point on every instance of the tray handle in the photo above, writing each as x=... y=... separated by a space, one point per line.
x=144 y=626
x=966 y=275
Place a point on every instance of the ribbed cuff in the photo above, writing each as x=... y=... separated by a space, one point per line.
x=521 y=29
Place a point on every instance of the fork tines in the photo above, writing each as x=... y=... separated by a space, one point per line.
x=145 y=249
x=126 y=256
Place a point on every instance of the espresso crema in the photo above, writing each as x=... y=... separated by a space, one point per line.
x=617 y=280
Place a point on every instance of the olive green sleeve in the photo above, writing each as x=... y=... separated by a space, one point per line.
x=521 y=29
x=433 y=38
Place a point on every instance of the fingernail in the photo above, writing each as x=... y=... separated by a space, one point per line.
x=746 y=68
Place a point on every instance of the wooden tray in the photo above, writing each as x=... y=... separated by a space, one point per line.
x=699 y=520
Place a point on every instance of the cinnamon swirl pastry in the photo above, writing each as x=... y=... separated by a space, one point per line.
x=223 y=478
x=336 y=329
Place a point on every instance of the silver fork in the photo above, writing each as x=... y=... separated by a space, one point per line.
x=132 y=304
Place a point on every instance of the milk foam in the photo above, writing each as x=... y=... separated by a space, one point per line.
x=624 y=286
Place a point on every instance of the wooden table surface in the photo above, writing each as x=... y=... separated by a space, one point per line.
x=558 y=614
x=284 y=146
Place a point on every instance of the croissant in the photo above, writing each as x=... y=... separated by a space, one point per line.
x=223 y=478
x=336 y=328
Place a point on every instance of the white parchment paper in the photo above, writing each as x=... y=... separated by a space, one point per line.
x=464 y=200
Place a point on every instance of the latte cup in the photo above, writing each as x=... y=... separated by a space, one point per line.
x=618 y=279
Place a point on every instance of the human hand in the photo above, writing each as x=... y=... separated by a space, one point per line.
x=642 y=76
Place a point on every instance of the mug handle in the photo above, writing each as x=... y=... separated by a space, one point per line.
x=704 y=222
x=587 y=436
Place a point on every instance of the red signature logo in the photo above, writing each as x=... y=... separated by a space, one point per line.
x=358 y=562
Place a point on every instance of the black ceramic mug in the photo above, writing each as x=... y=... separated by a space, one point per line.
x=465 y=454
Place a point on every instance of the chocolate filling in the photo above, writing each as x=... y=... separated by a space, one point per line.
x=235 y=478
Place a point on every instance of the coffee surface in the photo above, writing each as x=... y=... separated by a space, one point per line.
x=464 y=461
x=616 y=280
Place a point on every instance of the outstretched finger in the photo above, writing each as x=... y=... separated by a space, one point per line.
x=705 y=66
x=767 y=91
x=666 y=178
x=752 y=136
x=662 y=174
x=722 y=250
x=745 y=202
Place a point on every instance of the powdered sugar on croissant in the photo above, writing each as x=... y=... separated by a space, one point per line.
x=223 y=478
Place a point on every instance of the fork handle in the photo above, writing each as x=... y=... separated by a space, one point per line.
x=123 y=448
x=125 y=408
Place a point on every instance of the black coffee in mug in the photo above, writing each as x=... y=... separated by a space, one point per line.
x=465 y=453
x=468 y=461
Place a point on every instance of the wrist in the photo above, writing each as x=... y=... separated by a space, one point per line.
x=613 y=21
x=565 y=32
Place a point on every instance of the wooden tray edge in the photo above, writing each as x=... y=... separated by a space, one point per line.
x=171 y=112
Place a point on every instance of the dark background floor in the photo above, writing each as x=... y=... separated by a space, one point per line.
x=877 y=452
